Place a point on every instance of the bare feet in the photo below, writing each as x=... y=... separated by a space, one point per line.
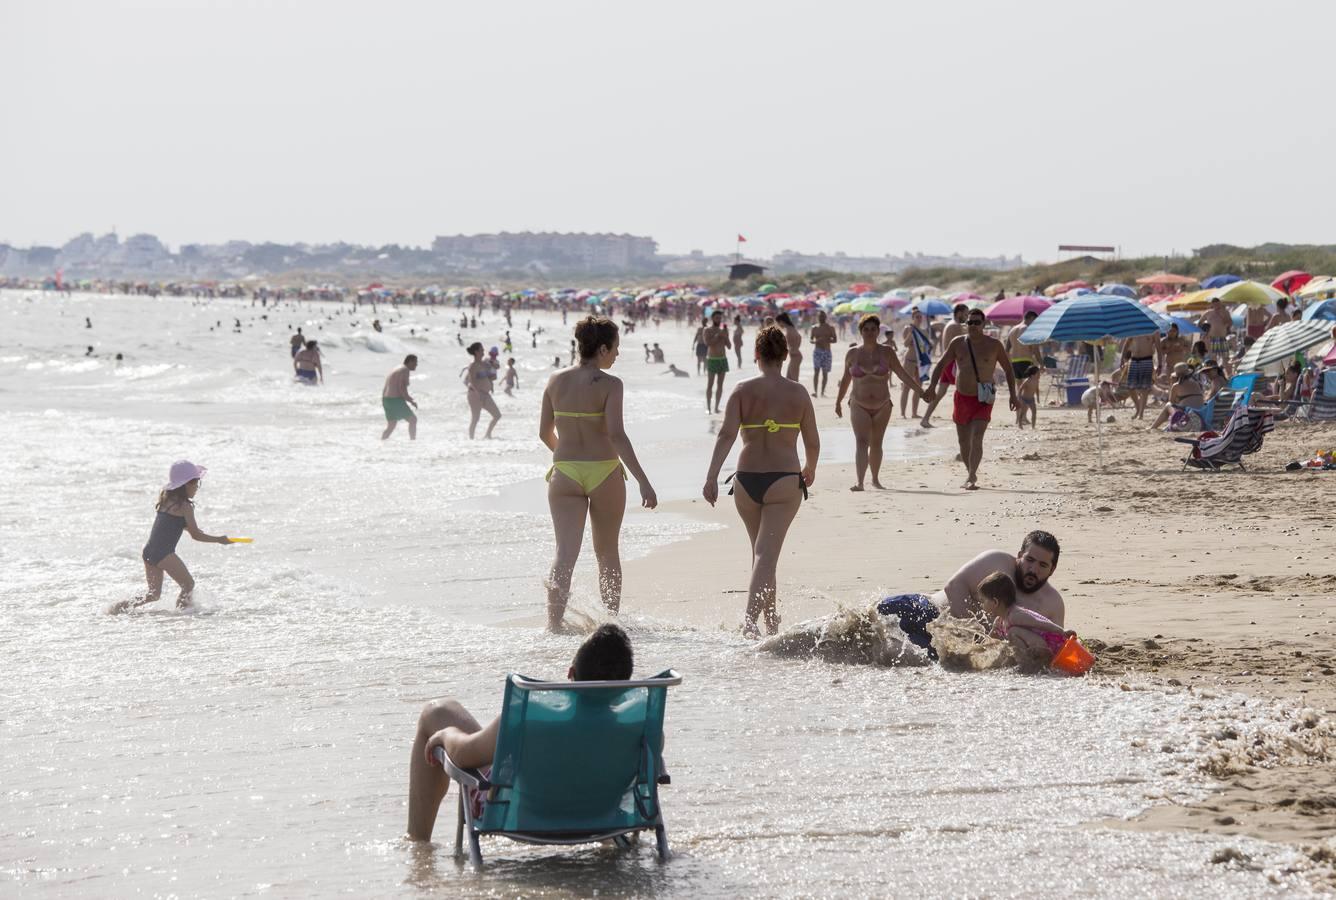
x=857 y=487
x=750 y=631
x=925 y=424
x=878 y=485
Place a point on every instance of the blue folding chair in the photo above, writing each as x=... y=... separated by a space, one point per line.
x=576 y=762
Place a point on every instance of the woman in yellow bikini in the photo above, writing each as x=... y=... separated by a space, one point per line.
x=868 y=368
x=581 y=423
x=771 y=412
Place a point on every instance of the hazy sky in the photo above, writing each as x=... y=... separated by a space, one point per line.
x=870 y=127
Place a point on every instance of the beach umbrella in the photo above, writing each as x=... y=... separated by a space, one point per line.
x=1192 y=301
x=861 y=288
x=752 y=302
x=866 y=306
x=899 y=294
x=1054 y=289
x=935 y=306
x=1323 y=311
x=843 y=309
x=1118 y=290
x=891 y=302
x=1185 y=326
x=1291 y=281
x=767 y=289
x=1282 y=342
x=926 y=290
x=1013 y=309
x=798 y=303
x=1164 y=279
x=965 y=296
x=1317 y=287
x=1253 y=293
x=1330 y=358
x=1219 y=281
x=1093 y=318
x=980 y=303
x=846 y=295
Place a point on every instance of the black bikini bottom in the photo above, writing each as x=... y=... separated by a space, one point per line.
x=757 y=483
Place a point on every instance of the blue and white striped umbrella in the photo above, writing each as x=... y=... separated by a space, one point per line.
x=1091 y=318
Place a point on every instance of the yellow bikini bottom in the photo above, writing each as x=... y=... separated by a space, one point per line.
x=588 y=474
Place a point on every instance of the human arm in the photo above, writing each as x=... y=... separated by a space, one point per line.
x=612 y=411
x=845 y=380
x=547 y=422
x=728 y=433
x=899 y=369
x=1009 y=371
x=466 y=750
x=811 y=436
x=197 y=534
x=958 y=592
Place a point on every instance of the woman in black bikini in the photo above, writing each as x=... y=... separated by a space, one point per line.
x=175 y=514
x=772 y=413
x=868 y=368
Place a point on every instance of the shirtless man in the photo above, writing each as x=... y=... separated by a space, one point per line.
x=976 y=356
x=795 y=339
x=823 y=335
x=954 y=329
x=1029 y=570
x=737 y=339
x=1256 y=321
x=1221 y=327
x=1023 y=356
x=1139 y=355
x=697 y=343
x=1173 y=350
x=715 y=336
x=395 y=399
x=1282 y=314
x=296 y=341
x=307 y=364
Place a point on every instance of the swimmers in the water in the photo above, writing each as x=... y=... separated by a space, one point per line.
x=589 y=449
x=395 y=399
x=480 y=377
x=772 y=412
x=175 y=514
x=307 y=364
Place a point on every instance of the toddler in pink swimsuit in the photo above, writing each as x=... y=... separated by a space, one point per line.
x=1015 y=623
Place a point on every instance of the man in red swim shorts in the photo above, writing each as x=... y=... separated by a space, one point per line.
x=975 y=356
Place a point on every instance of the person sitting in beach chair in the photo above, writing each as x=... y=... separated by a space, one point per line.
x=1243 y=434
x=571 y=762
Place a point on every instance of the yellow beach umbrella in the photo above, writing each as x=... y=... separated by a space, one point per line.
x=843 y=309
x=1193 y=301
x=1251 y=293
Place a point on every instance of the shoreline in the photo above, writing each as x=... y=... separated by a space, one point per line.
x=1184 y=579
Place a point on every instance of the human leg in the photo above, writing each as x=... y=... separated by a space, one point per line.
x=876 y=434
x=860 y=420
x=977 y=428
x=781 y=505
x=490 y=405
x=709 y=387
x=475 y=412
x=904 y=400
x=412 y=429
x=718 y=391
x=963 y=439
x=389 y=428
x=568 y=504
x=427 y=784
x=173 y=566
x=607 y=506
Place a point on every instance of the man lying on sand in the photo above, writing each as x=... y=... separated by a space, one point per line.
x=604 y=656
x=1029 y=570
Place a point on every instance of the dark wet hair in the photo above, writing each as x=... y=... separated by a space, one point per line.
x=960 y=307
x=771 y=344
x=310 y=345
x=1043 y=540
x=604 y=656
x=174 y=497
x=783 y=319
x=593 y=332
x=412 y=357
x=999 y=586
x=869 y=319
x=475 y=347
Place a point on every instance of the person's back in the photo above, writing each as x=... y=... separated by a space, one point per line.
x=579 y=396
x=767 y=406
x=396 y=383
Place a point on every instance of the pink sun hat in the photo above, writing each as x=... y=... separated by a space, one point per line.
x=183 y=471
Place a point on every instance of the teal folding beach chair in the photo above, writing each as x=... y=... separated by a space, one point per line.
x=576 y=762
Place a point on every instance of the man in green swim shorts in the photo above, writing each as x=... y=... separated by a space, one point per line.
x=396 y=399
x=716 y=358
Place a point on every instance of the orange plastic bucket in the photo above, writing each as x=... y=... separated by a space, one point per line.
x=1073 y=658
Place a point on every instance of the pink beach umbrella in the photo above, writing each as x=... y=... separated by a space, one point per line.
x=797 y=303
x=892 y=302
x=1013 y=309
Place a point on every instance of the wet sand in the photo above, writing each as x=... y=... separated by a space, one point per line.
x=1215 y=583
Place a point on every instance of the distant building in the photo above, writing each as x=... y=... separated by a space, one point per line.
x=554 y=251
x=740 y=270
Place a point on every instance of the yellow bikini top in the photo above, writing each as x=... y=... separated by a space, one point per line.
x=578 y=415
x=772 y=426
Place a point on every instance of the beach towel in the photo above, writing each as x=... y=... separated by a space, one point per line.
x=922 y=346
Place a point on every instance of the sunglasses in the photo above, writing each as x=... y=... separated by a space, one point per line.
x=978 y=322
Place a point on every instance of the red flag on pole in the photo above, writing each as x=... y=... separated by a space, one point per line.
x=741 y=239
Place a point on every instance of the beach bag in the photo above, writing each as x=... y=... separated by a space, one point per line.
x=986 y=393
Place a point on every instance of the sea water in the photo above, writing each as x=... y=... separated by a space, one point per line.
x=257 y=744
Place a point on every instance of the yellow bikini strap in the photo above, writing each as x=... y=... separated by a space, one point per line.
x=772 y=426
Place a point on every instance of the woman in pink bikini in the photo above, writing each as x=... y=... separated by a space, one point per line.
x=868 y=368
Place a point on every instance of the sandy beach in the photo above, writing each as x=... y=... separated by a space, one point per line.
x=1212 y=582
